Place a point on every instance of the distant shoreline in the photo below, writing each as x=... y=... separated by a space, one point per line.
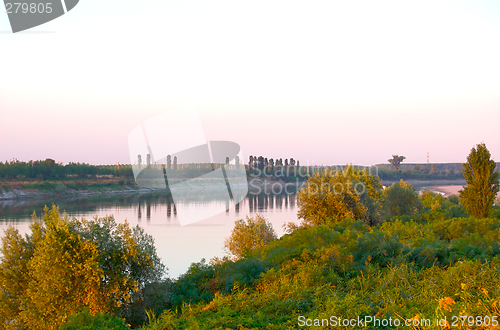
x=449 y=190
x=439 y=182
x=447 y=187
x=30 y=194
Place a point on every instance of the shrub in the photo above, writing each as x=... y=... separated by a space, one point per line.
x=334 y=195
x=66 y=265
x=86 y=321
x=453 y=199
x=400 y=199
x=431 y=200
x=60 y=188
x=248 y=235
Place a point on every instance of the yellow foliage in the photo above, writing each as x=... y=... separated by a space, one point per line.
x=446 y=303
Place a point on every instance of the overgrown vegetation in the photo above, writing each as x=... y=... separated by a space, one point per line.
x=360 y=252
x=66 y=265
x=423 y=266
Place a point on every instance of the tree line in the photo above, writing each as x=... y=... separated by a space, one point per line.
x=50 y=169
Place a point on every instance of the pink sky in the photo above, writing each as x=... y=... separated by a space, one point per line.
x=328 y=83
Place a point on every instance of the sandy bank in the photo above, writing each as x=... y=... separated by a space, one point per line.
x=449 y=190
x=446 y=190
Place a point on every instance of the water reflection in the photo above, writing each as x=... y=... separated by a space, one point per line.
x=178 y=246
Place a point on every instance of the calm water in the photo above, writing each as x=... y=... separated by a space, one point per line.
x=178 y=246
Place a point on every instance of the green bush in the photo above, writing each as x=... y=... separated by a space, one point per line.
x=400 y=199
x=453 y=199
x=60 y=188
x=47 y=185
x=86 y=321
x=431 y=200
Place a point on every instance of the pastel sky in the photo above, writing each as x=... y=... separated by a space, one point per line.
x=324 y=82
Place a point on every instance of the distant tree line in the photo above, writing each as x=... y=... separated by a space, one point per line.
x=284 y=169
x=50 y=169
x=261 y=163
x=421 y=174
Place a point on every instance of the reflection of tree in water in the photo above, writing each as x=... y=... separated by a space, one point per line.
x=21 y=210
x=264 y=201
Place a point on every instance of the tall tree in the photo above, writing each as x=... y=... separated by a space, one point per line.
x=396 y=160
x=482 y=182
x=175 y=163
x=260 y=161
x=169 y=162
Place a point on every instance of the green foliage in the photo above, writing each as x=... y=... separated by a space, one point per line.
x=396 y=160
x=86 y=321
x=248 y=235
x=334 y=195
x=431 y=200
x=60 y=188
x=67 y=265
x=446 y=171
x=49 y=169
x=453 y=199
x=423 y=265
x=400 y=198
x=482 y=182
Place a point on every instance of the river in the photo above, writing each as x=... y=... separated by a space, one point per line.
x=178 y=246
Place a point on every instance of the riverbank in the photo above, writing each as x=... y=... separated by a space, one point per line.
x=449 y=190
x=428 y=183
x=19 y=193
x=255 y=186
x=446 y=190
